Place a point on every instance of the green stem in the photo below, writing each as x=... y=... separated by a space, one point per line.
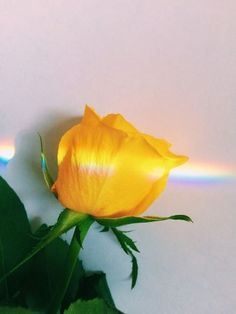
x=71 y=260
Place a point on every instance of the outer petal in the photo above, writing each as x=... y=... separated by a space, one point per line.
x=86 y=165
x=132 y=178
x=89 y=118
x=66 y=143
x=162 y=147
x=171 y=161
x=156 y=189
x=105 y=172
x=118 y=122
x=107 y=168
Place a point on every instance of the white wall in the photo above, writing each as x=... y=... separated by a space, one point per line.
x=170 y=68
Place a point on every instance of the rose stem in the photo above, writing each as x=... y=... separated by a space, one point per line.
x=70 y=264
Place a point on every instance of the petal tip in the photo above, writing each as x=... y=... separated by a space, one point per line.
x=90 y=115
x=180 y=160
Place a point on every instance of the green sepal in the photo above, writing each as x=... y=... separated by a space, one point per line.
x=118 y=222
x=127 y=244
x=120 y=240
x=125 y=241
x=67 y=220
x=134 y=271
x=44 y=166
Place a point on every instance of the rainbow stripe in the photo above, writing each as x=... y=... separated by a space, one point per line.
x=7 y=152
x=198 y=173
x=190 y=173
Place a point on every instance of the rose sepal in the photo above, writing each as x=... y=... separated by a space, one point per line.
x=126 y=243
x=44 y=166
x=123 y=221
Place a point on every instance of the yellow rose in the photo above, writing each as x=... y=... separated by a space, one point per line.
x=107 y=168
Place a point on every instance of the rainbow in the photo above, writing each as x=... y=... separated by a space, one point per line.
x=7 y=152
x=199 y=173
x=190 y=173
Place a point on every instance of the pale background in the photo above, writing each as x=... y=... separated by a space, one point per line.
x=170 y=68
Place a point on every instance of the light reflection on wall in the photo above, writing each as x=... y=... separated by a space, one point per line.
x=7 y=152
x=198 y=173
x=190 y=173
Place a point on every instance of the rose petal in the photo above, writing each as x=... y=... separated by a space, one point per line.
x=107 y=168
x=118 y=122
x=105 y=171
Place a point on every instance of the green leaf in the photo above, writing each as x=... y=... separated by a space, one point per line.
x=67 y=220
x=118 y=222
x=47 y=268
x=95 y=306
x=94 y=285
x=44 y=166
x=16 y=310
x=15 y=241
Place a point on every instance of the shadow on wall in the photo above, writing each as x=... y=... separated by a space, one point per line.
x=24 y=172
